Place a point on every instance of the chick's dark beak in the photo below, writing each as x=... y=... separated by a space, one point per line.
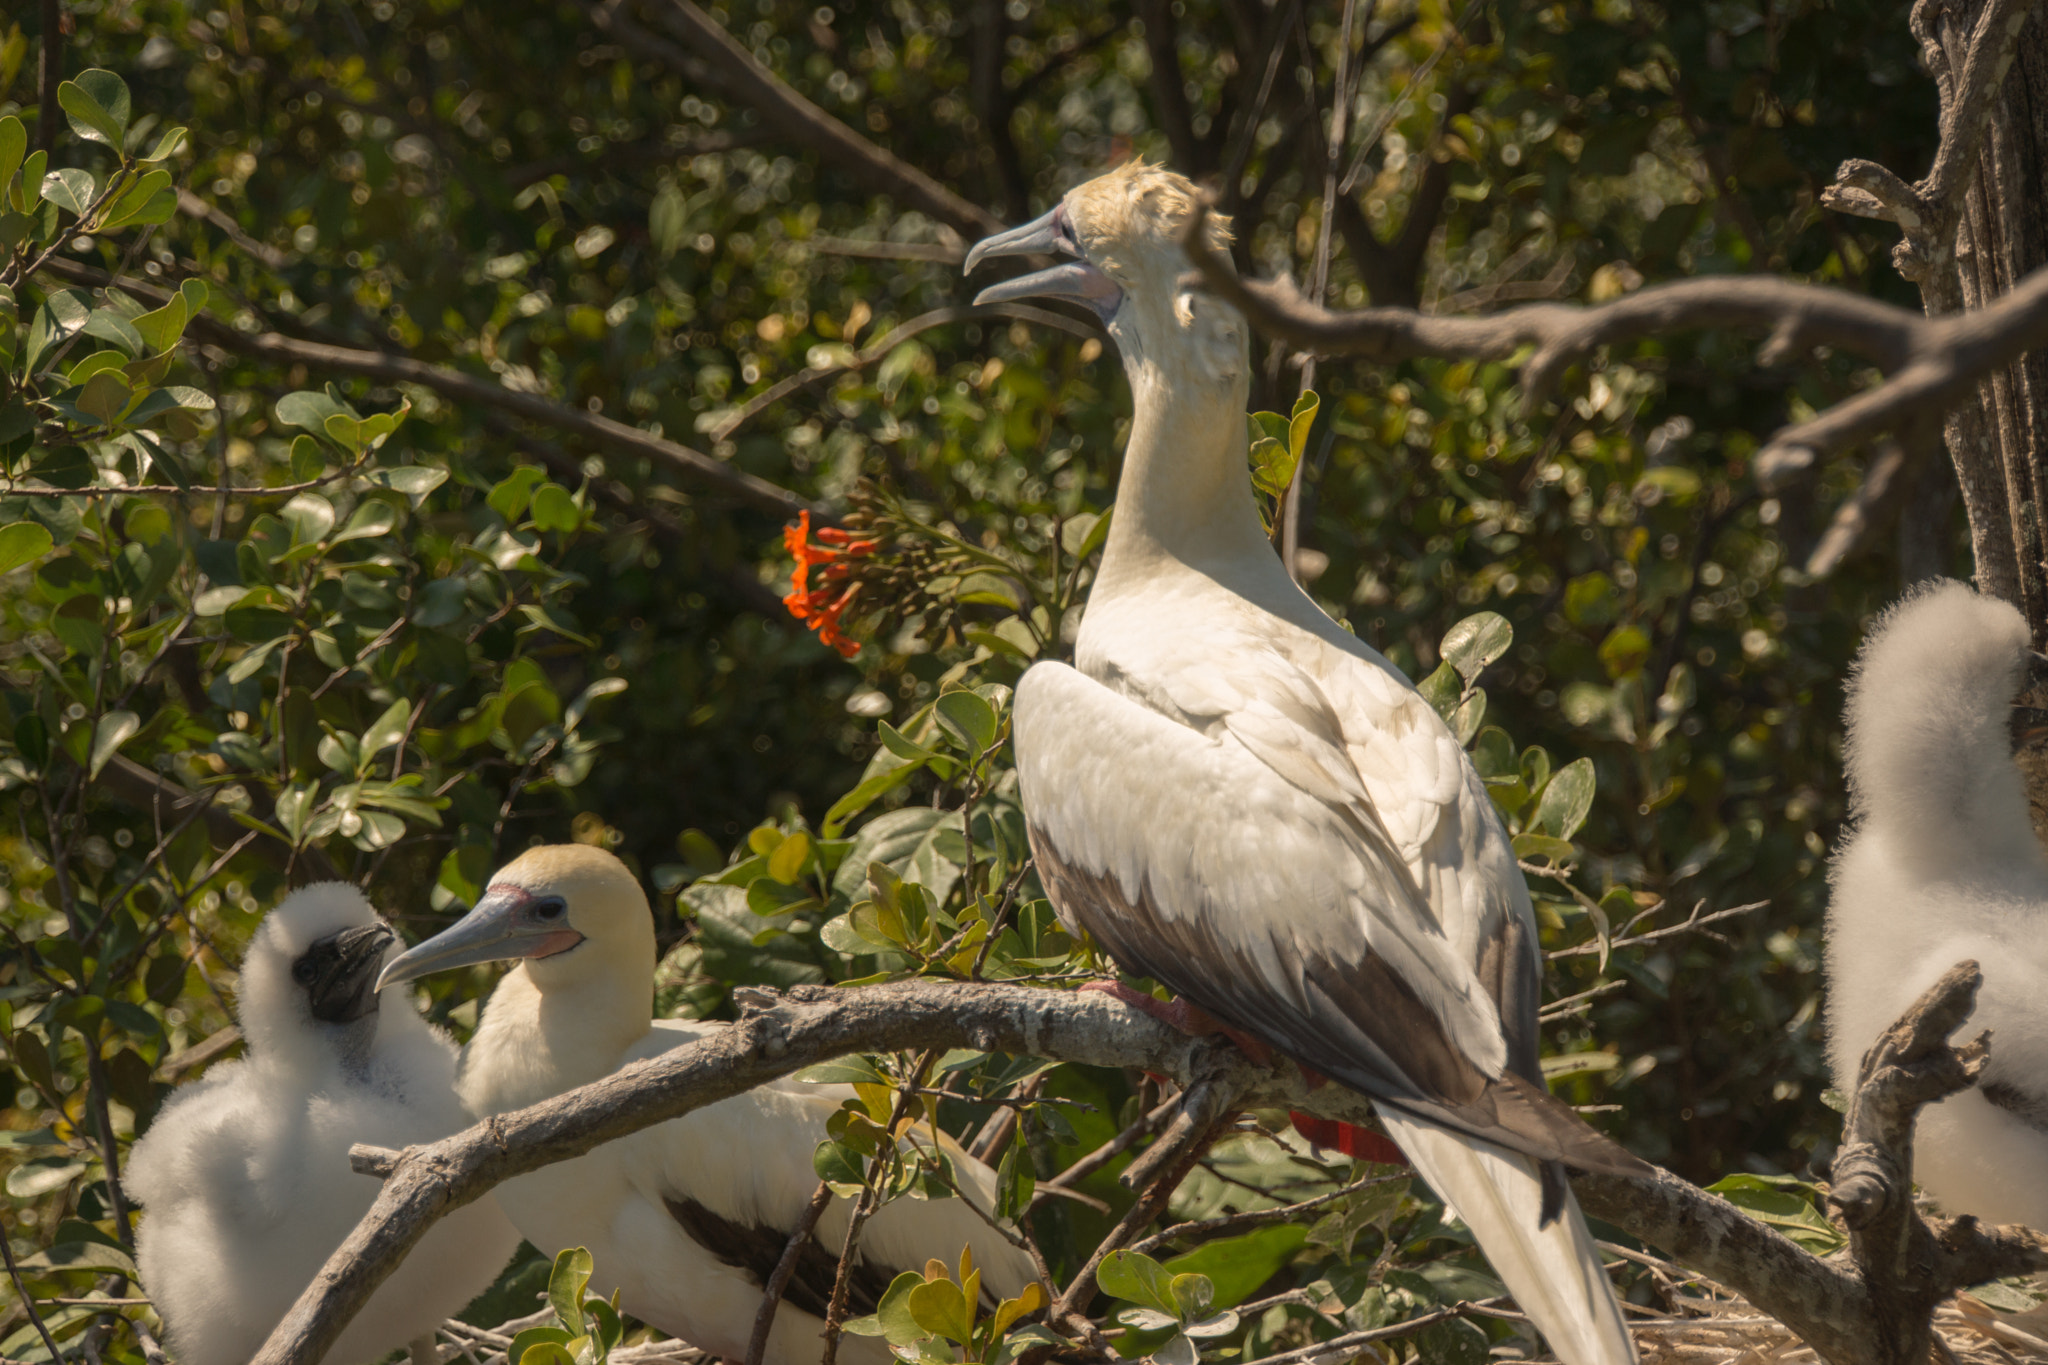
x=339 y=973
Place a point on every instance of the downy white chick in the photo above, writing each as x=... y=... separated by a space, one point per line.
x=244 y=1176
x=1944 y=866
x=686 y=1218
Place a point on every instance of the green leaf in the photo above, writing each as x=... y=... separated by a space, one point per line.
x=168 y=145
x=307 y=459
x=295 y=810
x=415 y=481
x=1443 y=690
x=968 y=719
x=310 y=410
x=70 y=188
x=1300 y=423
x=161 y=328
x=63 y=314
x=97 y=105
x=1786 y=1203
x=840 y=1167
x=134 y=203
x=32 y=180
x=388 y=728
x=540 y=1346
x=13 y=146
x=105 y=397
x=509 y=498
x=870 y=789
x=114 y=729
x=1625 y=650
x=1475 y=642
x=554 y=509
x=1015 y=1184
x=892 y=1319
x=1237 y=1266
x=851 y=1070
x=33 y=1179
x=309 y=515
x=1558 y=851
x=1137 y=1278
x=566 y=1285
x=939 y=1307
x=22 y=543
x=573 y=714
x=903 y=747
x=1566 y=800
x=786 y=863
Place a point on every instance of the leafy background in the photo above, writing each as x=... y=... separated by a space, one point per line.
x=425 y=630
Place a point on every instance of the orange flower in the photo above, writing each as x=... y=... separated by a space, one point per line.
x=822 y=606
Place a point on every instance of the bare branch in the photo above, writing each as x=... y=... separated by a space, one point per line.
x=192 y=206
x=778 y=1280
x=132 y=784
x=711 y=57
x=467 y=389
x=1929 y=212
x=1824 y=1301
x=1932 y=363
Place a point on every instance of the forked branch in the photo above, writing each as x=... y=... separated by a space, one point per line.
x=1825 y=1301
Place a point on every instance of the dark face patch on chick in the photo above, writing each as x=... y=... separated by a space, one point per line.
x=338 y=973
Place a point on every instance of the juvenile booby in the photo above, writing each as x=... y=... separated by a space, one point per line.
x=1944 y=865
x=687 y=1218
x=1242 y=800
x=244 y=1176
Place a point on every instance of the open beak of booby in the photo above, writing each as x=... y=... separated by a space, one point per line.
x=509 y=922
x=2030 y=708
x=336 y=972
x=1076 y=279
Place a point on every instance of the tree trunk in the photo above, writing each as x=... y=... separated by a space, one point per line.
x=2000 y=443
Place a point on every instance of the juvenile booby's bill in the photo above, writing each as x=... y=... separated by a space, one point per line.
x=1946 y=705
x=687 y=1218
x=1239 y=798
x=244 y=1176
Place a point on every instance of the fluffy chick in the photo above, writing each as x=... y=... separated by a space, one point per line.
x=244 y=1176
x=686 y=1219
x=1944 y=865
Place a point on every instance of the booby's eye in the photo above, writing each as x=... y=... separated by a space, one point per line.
x=303 y=971
x=553 y=907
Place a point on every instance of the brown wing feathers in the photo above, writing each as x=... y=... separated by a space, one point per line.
x=1362 y=1023
x=756 y=1250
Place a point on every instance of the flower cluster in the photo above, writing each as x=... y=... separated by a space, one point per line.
x=832 y=555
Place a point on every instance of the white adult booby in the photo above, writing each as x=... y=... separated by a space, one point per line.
x=1242 y=800
x=244 y=1176
x=687 y=1218
x=1944 y=866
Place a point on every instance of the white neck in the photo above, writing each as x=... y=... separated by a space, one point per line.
x=534 y=1044
x=1185 y=495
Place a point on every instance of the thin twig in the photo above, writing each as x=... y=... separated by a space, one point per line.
x=778 y=1280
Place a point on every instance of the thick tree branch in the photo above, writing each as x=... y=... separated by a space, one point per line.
x=1931 y=363
x=1928 y=212
x=1910 y=1265
x=603 y=432
x=712 y=57
x=1825 y=1301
